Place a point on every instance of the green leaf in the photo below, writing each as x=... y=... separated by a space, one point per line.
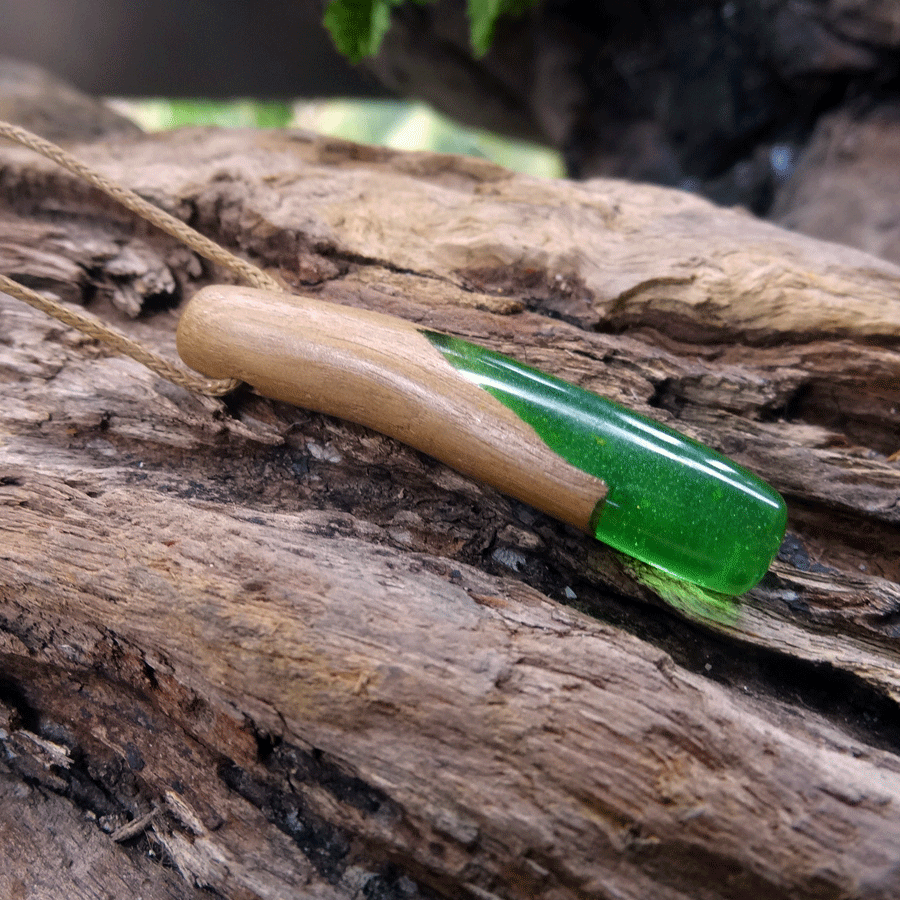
x=358 y=26
x=483 y=17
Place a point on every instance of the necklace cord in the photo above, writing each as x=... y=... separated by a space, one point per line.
x=121 y=343
x=245 y=271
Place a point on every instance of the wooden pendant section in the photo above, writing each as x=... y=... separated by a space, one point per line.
x=381 y=372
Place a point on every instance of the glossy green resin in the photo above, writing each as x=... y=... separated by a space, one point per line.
x=672 y=502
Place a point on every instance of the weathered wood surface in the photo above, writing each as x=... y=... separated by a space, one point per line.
x=308 y=661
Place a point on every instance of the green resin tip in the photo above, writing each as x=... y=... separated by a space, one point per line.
x=672 y=502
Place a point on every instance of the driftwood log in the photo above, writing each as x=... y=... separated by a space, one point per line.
x=257 y=652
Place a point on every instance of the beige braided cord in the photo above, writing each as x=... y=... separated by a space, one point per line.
x=119 y=342
x=248 y=273
x=93 y=327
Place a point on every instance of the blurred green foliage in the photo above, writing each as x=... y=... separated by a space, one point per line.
x=357 y=27
x=160 y=115
x=401 y=125
x=410 y=125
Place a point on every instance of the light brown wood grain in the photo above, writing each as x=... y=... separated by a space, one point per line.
x=381 y=372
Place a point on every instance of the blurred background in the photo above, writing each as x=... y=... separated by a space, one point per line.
x=269 y=64
x=182 y=48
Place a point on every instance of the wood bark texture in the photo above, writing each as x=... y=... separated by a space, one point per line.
x=255 y=651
